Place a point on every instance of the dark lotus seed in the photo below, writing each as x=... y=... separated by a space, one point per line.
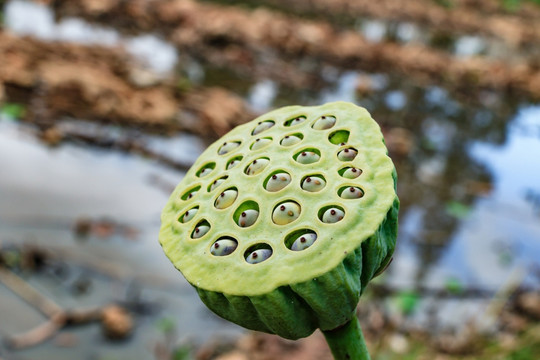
x=282 y=208
x=333 y=212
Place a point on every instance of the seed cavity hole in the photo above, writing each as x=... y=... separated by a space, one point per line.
x=224 y=246
x=234 y=161
x=290 y=140
x=201 y=229
x=286 y=212
x=188 y=215
x=260 y=143
x=297 y=120
x=350 y=172
x=216 y=183
x=262 y=126
x=324 y=122
x=347 y=154
x=226 y=198
x=277 y=181
x=206 y=169
x=258 y=253
x=246 y=214
x=313 y=183
x=308 y=156
x=256 y=166
x=339 y=137
x=300 y=239
x=350 y=192
x=190 y=193
x=331 y=214
x=228 y=146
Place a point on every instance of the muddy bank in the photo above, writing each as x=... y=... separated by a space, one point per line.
x=244 y=37
x=104 y=84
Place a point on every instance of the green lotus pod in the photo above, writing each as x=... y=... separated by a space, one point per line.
x=290 y=140
x=267 y=283
x=278 y=181
x=313 y=183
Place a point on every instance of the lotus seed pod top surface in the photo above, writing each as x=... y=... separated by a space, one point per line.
x=233 y=274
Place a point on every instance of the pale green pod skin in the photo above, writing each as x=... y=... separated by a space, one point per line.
x=262 y=126
x=190 y=214
x=352 y=193
x=227 y=147
x=352 y=173
x=303 y=241
x=223 y=247
x=248 y=218
x=257 y=166
x=278 y=181
x=324 y=122
x=308 y=157
x=313 y=184
x=332 y=215
x=347 y=154
x=216 y=183
x=200 y=231
x=286 y=213
x=290 y=140
x=260 y=143
x=226 y=199
x=291 y=293
x=259 y=256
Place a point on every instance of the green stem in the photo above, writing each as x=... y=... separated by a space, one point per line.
x=347 y=341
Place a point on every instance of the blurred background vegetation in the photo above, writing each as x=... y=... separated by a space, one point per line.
x=105 y=104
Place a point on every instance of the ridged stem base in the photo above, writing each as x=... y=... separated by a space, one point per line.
x=347 y=342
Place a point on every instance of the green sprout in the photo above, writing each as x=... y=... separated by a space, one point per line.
x=286 y=240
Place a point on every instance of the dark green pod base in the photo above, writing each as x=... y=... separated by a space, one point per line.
x=326 y=302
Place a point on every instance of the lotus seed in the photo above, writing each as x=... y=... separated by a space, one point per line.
x=257 y=166
x=324 y=122
x=260 y=143
x=286 y=213
x=258 y=256
x=226 y=198
x=216 y=183
x=347 y=154
x=313 y=183
x=227 y=147
x=278 y=182
x=352 y=173
x=332 y=215
x=223 y=247
x=297 y=120
x=304 y=241
x=290 y=140
x=352 y=193
x=205 y=171
x=308 y=157
x=192 y=194
x=248 y=218
x=200 y=231
x=261 y=126
x=190 y=214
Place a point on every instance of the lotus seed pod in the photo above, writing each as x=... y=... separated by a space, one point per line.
x=200 y=231
x=304 y=241
x=333 y=215
x=190 y=214
x=290 y=140
x=313 y=183
x=258 y=256
x=347 y=154
x=257 y=166
x=351 y=173
x=223 y=247
x=324 y=122
x=268 y=283
x=248 y=217
x=286 y=213
x=352 y=193
x=260 y=143
x=227 y=147
x=262 y=126
x=307 y=157
x=278 y=181
x=226 y=199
